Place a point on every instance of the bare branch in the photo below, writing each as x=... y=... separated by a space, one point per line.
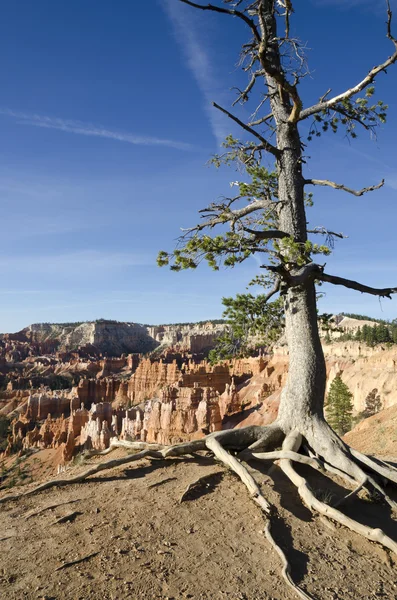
x=359 y=287
x=243 y=94
x=340 y=186
x=267 y=234
x=327 y=232
x=232 y=215
x=266 y=145
x=313 y=271
x=332 y=102
x=261 y=120
x=227 y=11
x=273 y=291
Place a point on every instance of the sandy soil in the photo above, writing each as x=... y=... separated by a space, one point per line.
x=377 y=434
x=143 y=544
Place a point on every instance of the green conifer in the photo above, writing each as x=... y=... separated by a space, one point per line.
x=339 y=407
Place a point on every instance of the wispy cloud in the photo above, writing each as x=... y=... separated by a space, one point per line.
x=88 y=129
x=392 y=182
x=199 y=63
x=75 y=262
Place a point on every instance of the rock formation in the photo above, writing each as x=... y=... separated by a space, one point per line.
x=174 y=397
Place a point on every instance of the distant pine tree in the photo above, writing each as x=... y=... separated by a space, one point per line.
x=373 y=404
x=339 y=407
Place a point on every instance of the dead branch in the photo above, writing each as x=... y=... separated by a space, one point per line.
x=227 y=11
x=340 y=186
x=327 y=232
x=76 y=562
x=314 y=271
x=243 y=94
x=51 y=507
x=326 y=104
x=266 y=145
x=261 y=120
x=232 y=215
x=359 y=287
x=269 y=234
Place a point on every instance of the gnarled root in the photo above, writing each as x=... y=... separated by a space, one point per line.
x=234 y=438
x=286 y=570
x=82 y=476
x=324 y=451
x=231 y=462
x=292 y=443
x=115 y=443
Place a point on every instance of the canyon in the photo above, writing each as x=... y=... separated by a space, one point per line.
x=62 y=390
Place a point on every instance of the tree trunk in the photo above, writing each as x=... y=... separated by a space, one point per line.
x=302 y=399
x=303 y=396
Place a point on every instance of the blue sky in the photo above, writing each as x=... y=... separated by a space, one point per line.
x=105 y=129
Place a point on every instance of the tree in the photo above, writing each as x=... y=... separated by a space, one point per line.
x=339 y=406
x=373 y=404
x=251 y=322
x=268 y=213
x=267 y=217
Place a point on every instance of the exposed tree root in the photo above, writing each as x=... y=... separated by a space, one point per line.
x=82 y=476
x=236 y=438
x=330 y=454
x=231 y=462
x=294 y=456
x=332 y=469
x=272 y=435
x=382 y=468
x=351 y=495
x=286 y=570
x=292 y=443
x=115 y=443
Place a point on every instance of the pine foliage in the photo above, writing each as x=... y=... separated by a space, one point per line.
x=339 y=407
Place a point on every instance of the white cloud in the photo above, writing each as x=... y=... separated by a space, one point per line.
x=88 y=129
x=199 y=63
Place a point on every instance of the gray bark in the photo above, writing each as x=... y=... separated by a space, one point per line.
x=303 y=397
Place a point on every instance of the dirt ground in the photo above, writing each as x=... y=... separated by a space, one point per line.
x=140 y=542
x=377 y=434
